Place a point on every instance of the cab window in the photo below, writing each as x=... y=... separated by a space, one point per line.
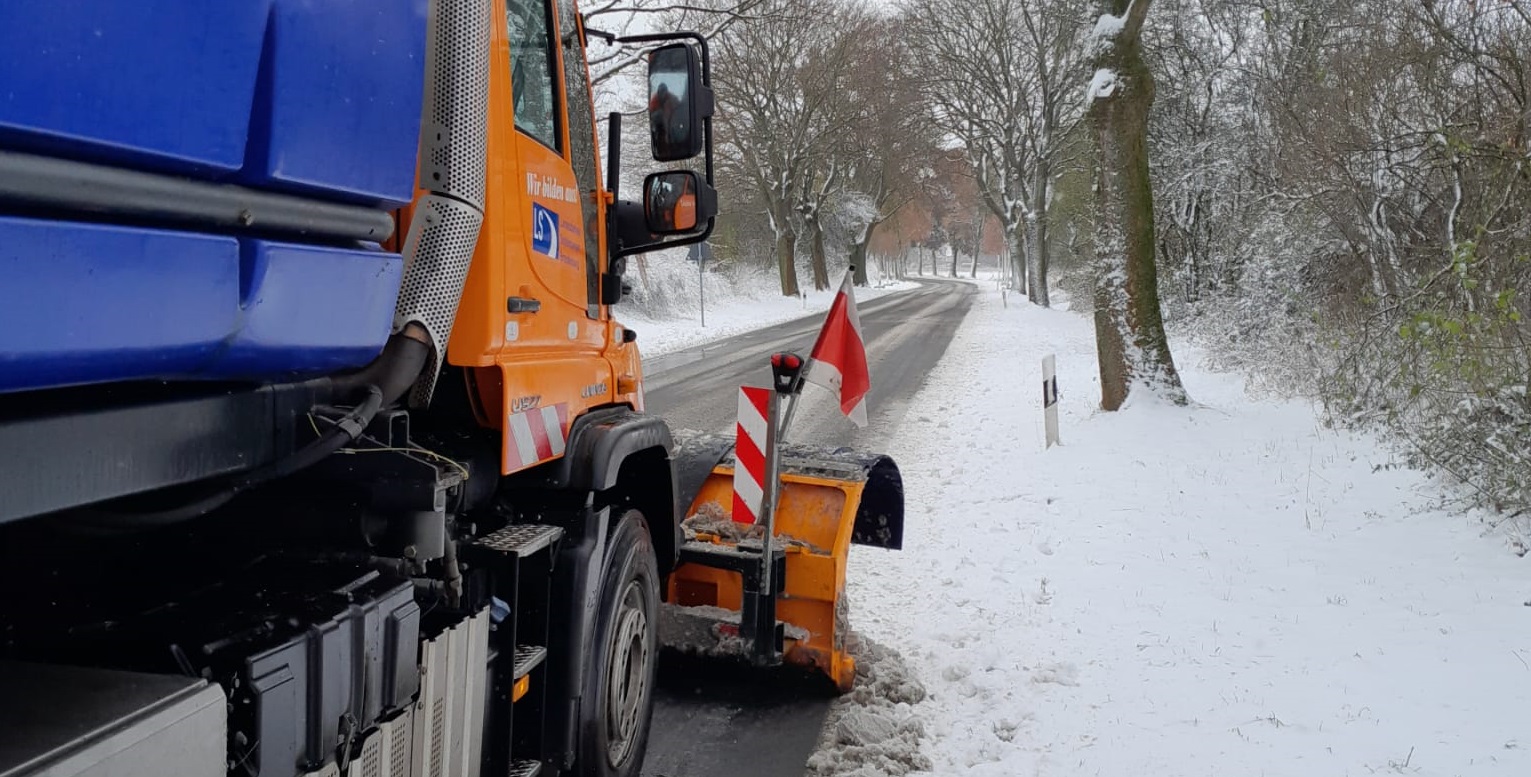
x=582 y=150
x=532 y=69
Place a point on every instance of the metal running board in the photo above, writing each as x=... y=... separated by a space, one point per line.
x=522 y=539
x=526 y=769
x=527 y=659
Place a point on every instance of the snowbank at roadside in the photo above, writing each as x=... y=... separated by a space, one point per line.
x=734 y=315
x=669 y=305
x=1226 y=588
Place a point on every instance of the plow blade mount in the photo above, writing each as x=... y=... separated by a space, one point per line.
x=828 y=500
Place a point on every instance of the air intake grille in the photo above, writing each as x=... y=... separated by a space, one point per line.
x=454 y=138
x=440 y=246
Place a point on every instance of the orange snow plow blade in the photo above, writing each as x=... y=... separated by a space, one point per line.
x=828 y=501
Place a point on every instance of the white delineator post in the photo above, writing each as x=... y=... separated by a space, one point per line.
x=1050 y=398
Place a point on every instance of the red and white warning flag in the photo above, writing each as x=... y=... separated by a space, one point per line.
x=839 y=358
x=749 y=450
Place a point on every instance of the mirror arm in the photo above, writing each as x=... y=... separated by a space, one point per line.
x=590 y=31
x=613 y=184
x=630 y=234
x=614 y=152
x=631 y=230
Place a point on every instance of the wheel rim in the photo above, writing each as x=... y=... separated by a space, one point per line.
x=627 y=679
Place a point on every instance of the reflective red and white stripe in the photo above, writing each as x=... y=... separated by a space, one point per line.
x=749 y=452
x=536 y=435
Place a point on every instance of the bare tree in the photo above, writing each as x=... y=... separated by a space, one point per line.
x=1052 y=28
x=1129 y=330
x=1202 y=144
x=998 y=75
x=827 y=182
x=891 y=154
x=783 y=121
x=709 y=18
x=973 y=76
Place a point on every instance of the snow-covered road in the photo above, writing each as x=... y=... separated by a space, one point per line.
x=1224 y=589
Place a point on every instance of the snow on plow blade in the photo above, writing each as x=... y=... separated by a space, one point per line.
x=829 y=499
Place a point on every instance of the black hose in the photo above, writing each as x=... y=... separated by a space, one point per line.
x=383 y=382
x=345 y=430
x=394 y=371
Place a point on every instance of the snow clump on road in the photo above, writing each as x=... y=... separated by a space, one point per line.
x=873 y=730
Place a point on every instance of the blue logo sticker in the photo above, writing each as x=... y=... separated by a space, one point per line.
x=544 y=231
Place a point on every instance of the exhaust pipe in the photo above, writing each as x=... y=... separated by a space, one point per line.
x=454 y=132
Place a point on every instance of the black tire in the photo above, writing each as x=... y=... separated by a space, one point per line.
x=618 y=705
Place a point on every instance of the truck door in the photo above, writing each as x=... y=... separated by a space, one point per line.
x=560 y=218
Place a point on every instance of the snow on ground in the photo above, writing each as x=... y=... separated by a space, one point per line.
x=1223 y=589
x=735 y=312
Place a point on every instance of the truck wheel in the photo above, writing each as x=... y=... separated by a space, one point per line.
x=619 y=689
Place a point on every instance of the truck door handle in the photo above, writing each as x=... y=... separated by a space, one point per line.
x=523 y=305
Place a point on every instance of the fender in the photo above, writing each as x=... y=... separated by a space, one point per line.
x=600 y=443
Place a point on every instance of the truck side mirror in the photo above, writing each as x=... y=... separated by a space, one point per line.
x=675 y=202
x=678 y=102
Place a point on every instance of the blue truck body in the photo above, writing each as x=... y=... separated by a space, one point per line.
x=316 y=99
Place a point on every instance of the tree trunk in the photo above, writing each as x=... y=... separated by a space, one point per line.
x=1036 y=239
x=859 y=263
x=1129 y=329
x=820 y=261
x=977 y=242
x=1017 y=259
x=954 y=260
x=859 y=254
x=786 y=260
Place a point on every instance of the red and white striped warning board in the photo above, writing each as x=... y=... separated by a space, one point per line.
x=536 y=435
x=749 y=452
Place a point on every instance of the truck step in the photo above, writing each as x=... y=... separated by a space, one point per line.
x=522 y=539
x=525 y=769
x=527 y=659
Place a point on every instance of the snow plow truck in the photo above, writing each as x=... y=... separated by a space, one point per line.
x=321 y=449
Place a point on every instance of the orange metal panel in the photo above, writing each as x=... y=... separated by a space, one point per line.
x=558 y=354
x=815 y=516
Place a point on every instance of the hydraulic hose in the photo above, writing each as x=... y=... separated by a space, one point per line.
x=344 y=431
x=380 y=383
x=395 y=370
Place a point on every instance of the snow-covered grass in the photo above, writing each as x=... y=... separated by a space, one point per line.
x=1221 y=589
x=666 y=310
